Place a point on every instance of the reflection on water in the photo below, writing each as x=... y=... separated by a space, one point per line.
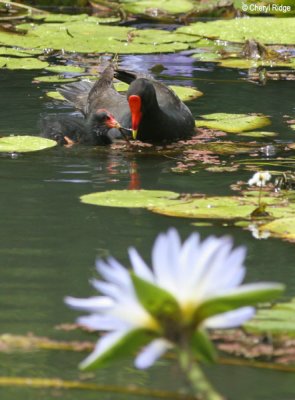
x=49 y=240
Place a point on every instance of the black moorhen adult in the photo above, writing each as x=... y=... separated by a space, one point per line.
x=153 y=111
x=68 y=129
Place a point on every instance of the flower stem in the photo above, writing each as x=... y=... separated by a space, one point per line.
x=201 y=387
x=259 y=197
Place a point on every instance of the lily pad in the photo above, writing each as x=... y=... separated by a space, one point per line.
x=266 y=30
x=22 y=63
x=24 y=144
x=223 y=207
x=172 y=204
x=129 y=198
x=90 y=37
x=233 y=123
x=186 y=93
x=10 y=51
x=65 y=68
x=154 y=7
x=278 y=320
x=258 y=134
x=55 y=95
x=247 y=63
x=72 y=18
x=54 y=79
x=283 y=228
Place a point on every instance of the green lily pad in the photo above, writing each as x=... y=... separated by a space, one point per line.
x=55 y=95
x=9 y=51
x=223 y=207
x=88 y=36
x=74 y=18
x=258 y=134
x=129 y=198
x=22 y=63
x=65 y=68
x=154 y=7
x=24 y=144
x=283 y=228
x=269 y=30
x=278 y=320
x=247 y=63
x=170 y=203
x=186 y=93
x=54 y=79
x=233 y=123
x=207 y=56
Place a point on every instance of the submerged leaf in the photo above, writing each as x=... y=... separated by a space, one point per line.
x=23 y=144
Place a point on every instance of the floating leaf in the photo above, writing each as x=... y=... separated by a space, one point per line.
x=186 y=93
x=154 y=7
x=223 y=207
x=233 y=123
x=258 y=134
x=23 y=144
x=247 y=63
x=9 y=51
x=74 y=18
x=65 y=68
x=90 y=37
x=54 y=79
x=170 y=203
x=283 y=228
x=22 y=63
x=55 y=95
x=129 y=198
x=278 y=320
x=266 y=30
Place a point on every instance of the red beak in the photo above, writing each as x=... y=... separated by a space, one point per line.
x=111 y=122
x=136 y=114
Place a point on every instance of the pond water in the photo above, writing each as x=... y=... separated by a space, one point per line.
x=49 y=240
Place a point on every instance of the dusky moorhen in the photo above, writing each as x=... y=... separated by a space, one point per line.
x=68 y=129
x=153 y=111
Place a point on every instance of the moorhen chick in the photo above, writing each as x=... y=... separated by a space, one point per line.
x=96 y=130
x=153 y=111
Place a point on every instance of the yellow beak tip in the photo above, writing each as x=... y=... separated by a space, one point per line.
x=134 y=134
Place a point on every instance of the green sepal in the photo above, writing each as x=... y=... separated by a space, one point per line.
x=157 y=301
x=203 y=347
x=126 y=346
x=244 y=296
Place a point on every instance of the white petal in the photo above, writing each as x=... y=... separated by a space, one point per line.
x=254 y=287
x=165 y=259
x=151 y=353
x=101 y=322
x=103 y=345
x=139 y=266
x=106 y=288
x=92 y=304
x=113 y=272
x=230 y=319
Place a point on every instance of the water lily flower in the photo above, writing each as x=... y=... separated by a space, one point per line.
x=190 y=288
x=260 y=178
